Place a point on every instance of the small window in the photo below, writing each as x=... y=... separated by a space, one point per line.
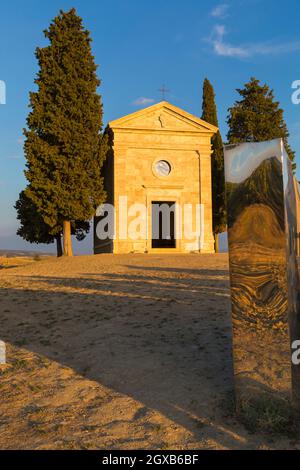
x=163 y=168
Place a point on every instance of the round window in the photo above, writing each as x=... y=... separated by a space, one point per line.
x=163 y=168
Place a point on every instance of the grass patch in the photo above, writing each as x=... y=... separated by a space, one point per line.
x=268 y=415
x=265 y=414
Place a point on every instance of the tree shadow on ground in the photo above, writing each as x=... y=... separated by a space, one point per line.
x=164 y=341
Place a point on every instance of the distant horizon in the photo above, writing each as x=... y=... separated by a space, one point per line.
x=84 y=247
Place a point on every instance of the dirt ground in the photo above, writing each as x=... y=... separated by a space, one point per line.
x=120 y=352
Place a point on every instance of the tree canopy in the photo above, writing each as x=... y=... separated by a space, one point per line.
x=257 y=117
x=33 y=228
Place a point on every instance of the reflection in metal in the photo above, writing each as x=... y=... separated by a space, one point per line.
x=262 y=235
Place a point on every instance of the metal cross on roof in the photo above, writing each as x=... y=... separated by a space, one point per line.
x=163 y=90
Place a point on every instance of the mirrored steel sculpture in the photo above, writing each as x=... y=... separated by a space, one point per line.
x=262 y=204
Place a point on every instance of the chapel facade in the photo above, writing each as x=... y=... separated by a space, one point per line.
x=158 y=181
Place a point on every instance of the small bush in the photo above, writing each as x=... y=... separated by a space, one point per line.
x=268 y=415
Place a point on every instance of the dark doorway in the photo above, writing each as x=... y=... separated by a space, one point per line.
x=163 y=224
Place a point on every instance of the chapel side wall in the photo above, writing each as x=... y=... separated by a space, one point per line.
x=206 y=198
x=189 y=181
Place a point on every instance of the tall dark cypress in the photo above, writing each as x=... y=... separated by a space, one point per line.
x=209 y=114
x=64 y=145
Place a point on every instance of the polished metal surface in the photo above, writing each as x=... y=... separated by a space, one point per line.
x=262 y=237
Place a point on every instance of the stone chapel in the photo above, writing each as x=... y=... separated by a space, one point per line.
x=158 y=182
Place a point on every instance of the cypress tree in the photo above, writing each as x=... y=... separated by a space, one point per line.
x=209 y=114
x=64 y=146
x=33 y=229
x=257 y=117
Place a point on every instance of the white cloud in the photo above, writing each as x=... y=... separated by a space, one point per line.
x=142 y=101
x=225 y=49
x=220 y=11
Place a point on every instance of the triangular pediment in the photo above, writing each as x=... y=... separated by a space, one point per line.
x=163 y=116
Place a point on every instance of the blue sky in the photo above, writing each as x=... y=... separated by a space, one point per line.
x=139 y=45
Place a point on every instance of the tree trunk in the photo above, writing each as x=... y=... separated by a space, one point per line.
x=59 y=246
x=216 y=243
x=67 y=238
